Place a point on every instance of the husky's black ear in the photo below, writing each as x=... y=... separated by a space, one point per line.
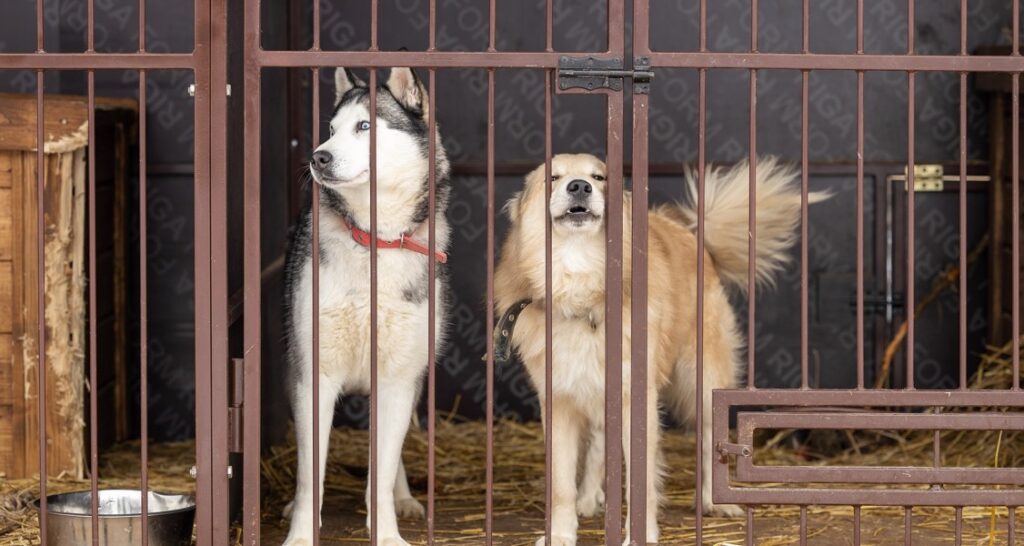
x=407 y=90
x=343 y=81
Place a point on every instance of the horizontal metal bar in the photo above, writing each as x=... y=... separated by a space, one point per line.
x=98 y=61
x=748 y=472
x=748 y=422
x=869 y=497
x=888 y=397
x=424 y=59
x=801 y=61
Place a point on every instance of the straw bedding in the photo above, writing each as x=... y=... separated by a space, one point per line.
x=519 y=484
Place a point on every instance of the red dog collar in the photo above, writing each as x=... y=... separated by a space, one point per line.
x=406 y=242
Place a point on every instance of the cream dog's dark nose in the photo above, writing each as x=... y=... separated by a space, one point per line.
x=577 y=187
x=322 y=159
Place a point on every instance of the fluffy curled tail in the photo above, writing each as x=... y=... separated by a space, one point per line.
x=726 y=202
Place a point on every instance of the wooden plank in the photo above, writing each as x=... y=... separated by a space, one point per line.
x=64 y=124
x=25 y=425
x=6 y=297
x=6 y=168
x=6 y=219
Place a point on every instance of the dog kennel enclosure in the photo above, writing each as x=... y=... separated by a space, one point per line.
x=228 y=91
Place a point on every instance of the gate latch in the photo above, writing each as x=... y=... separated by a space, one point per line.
x=725 y=449
x=603 y=73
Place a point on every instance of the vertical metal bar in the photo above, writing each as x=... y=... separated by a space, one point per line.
x=432 y=26
x=489 y=461
x=860 y=202
x=963 y=200
x=804 y=168
x=205 y=464
x=431 y=297
x=489 y=471
x=1011 y=531
x=548 y=443
x=613 y=328
x=40 y=31
x=908 y=522
x=638 y=305
x=910 y=276
x=550 y=25
x=374 y=14
x=94 y=457
x=217 y=259
x=373 y=290
x=856 y=526
x=143 y=307
x=251 y=277
x=752 y=241
x=750 y=525
x=803 y=526
x=1015 y=203
x=316 y=47
x=752 y=210
x=959 y=526
x=40 y=282
x=315 y=314
x=699 y=476
x=614 y=291
x=142 y=27
x=90 y=26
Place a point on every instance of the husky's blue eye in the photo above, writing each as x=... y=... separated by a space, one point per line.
x=363 y=126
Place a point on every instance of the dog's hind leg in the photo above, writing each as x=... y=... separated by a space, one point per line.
x=394 y=408
x=405 y=505
x=301 y=530
x=719 y=365
x=591 y=496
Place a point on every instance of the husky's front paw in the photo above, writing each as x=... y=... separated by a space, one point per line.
x=557 y=541
x=723 y=510
x=393 y=541
x=589 y=504
x=410 y=508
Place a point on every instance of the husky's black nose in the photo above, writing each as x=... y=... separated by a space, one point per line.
x=322 y=159
x=577 y=187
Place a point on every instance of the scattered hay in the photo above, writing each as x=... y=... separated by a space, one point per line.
x=518 y=490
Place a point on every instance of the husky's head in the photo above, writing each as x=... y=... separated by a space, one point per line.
x=341 y=164
x=343 y=160
x=577 y=199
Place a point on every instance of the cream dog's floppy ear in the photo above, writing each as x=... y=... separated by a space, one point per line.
x=343 y=82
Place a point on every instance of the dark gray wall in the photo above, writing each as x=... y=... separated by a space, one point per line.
x=579 y=125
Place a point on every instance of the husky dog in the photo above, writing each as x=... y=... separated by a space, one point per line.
x=576 y=207
x=341 y=167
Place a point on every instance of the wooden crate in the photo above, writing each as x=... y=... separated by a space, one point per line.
x=65 y=274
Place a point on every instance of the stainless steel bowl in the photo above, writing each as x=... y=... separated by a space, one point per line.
x=69 y=521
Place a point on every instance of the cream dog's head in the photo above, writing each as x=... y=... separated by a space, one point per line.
x=577 y=200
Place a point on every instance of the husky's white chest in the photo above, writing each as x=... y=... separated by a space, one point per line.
x=345 y=318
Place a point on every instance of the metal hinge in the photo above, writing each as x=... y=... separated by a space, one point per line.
x=927 y=177
x=236 y=404
x=603 y=73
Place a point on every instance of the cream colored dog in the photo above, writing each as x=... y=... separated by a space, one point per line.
x=577 y=209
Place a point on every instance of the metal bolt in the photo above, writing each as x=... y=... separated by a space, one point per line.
x=191 y=89
x=193 y=472
x=294 y=143
x=231 y=472
x=229 y=90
